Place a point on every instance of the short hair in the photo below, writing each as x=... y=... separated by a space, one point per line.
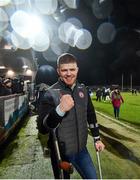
x=66 y=58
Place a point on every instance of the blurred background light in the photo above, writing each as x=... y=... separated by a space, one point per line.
x=40 y=42
x=4 y=2
x=58 y=47
x=83 y=39
x=29 y=72
x=25 y=24
x=71 y=3
x=10 y=73
x=24 y=66
x=3 y=20
x=2 y=67
x=46 y=6
x=41 y=30
x=19 y=2
x=106 y=32
x=102 y=9
x=20 y=42
x=41 y=25
x=49 y=56
x=75 y=21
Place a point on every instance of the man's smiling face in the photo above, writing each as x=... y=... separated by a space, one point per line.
x=68 y=73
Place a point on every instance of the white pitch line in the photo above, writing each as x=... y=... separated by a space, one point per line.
x=117 y=121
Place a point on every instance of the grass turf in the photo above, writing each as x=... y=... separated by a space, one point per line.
x=129 y=111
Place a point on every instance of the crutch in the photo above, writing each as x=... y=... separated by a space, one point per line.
x=99 y=164
x=63 y=165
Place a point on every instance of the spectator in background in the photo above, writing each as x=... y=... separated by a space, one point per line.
x=17 y=85
x=14 y=85
x=135 y=91
x=1 y=87
x=104 y=94
x=117 y=100
x=90 y=92
x=20 y=85
x=108 y=94
x=98 y=94
x=132 y=91
x=6 y=87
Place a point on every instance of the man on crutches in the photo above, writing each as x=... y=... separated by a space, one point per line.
x=70 y=111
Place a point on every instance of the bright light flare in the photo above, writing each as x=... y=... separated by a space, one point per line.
x=76 y=22
x=36 y=24
x=19 y=2
x=4 y=2
x=25 y=25
x=29 y=72
x=58 y=47
x=10 y=73
x=41 y=42
x=20 y=42
x=3 y=20
x=30 y=32
x=70 y=35
x=20 y=22
x=46 y=6
x=62 y=31
x=66 y=32
x=25 y=66
x=83 y=39
x=2 y=67
x=71 y=3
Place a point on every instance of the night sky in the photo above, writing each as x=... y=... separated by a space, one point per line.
x=104 y=64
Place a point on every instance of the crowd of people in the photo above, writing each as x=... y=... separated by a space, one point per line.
x=111 y=95
x=10 y=86
x=103 y=94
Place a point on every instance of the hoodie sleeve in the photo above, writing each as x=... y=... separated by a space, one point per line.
x=92 y=120
x=48 y=117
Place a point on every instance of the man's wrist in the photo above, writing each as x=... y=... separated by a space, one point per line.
x=59 y=112
x=97 y=138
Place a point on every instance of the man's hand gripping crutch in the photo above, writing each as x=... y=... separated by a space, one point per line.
x=99 y=146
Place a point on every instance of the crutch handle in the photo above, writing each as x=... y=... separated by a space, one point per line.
x=66 y=166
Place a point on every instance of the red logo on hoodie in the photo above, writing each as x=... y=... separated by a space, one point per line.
x=81 y=94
